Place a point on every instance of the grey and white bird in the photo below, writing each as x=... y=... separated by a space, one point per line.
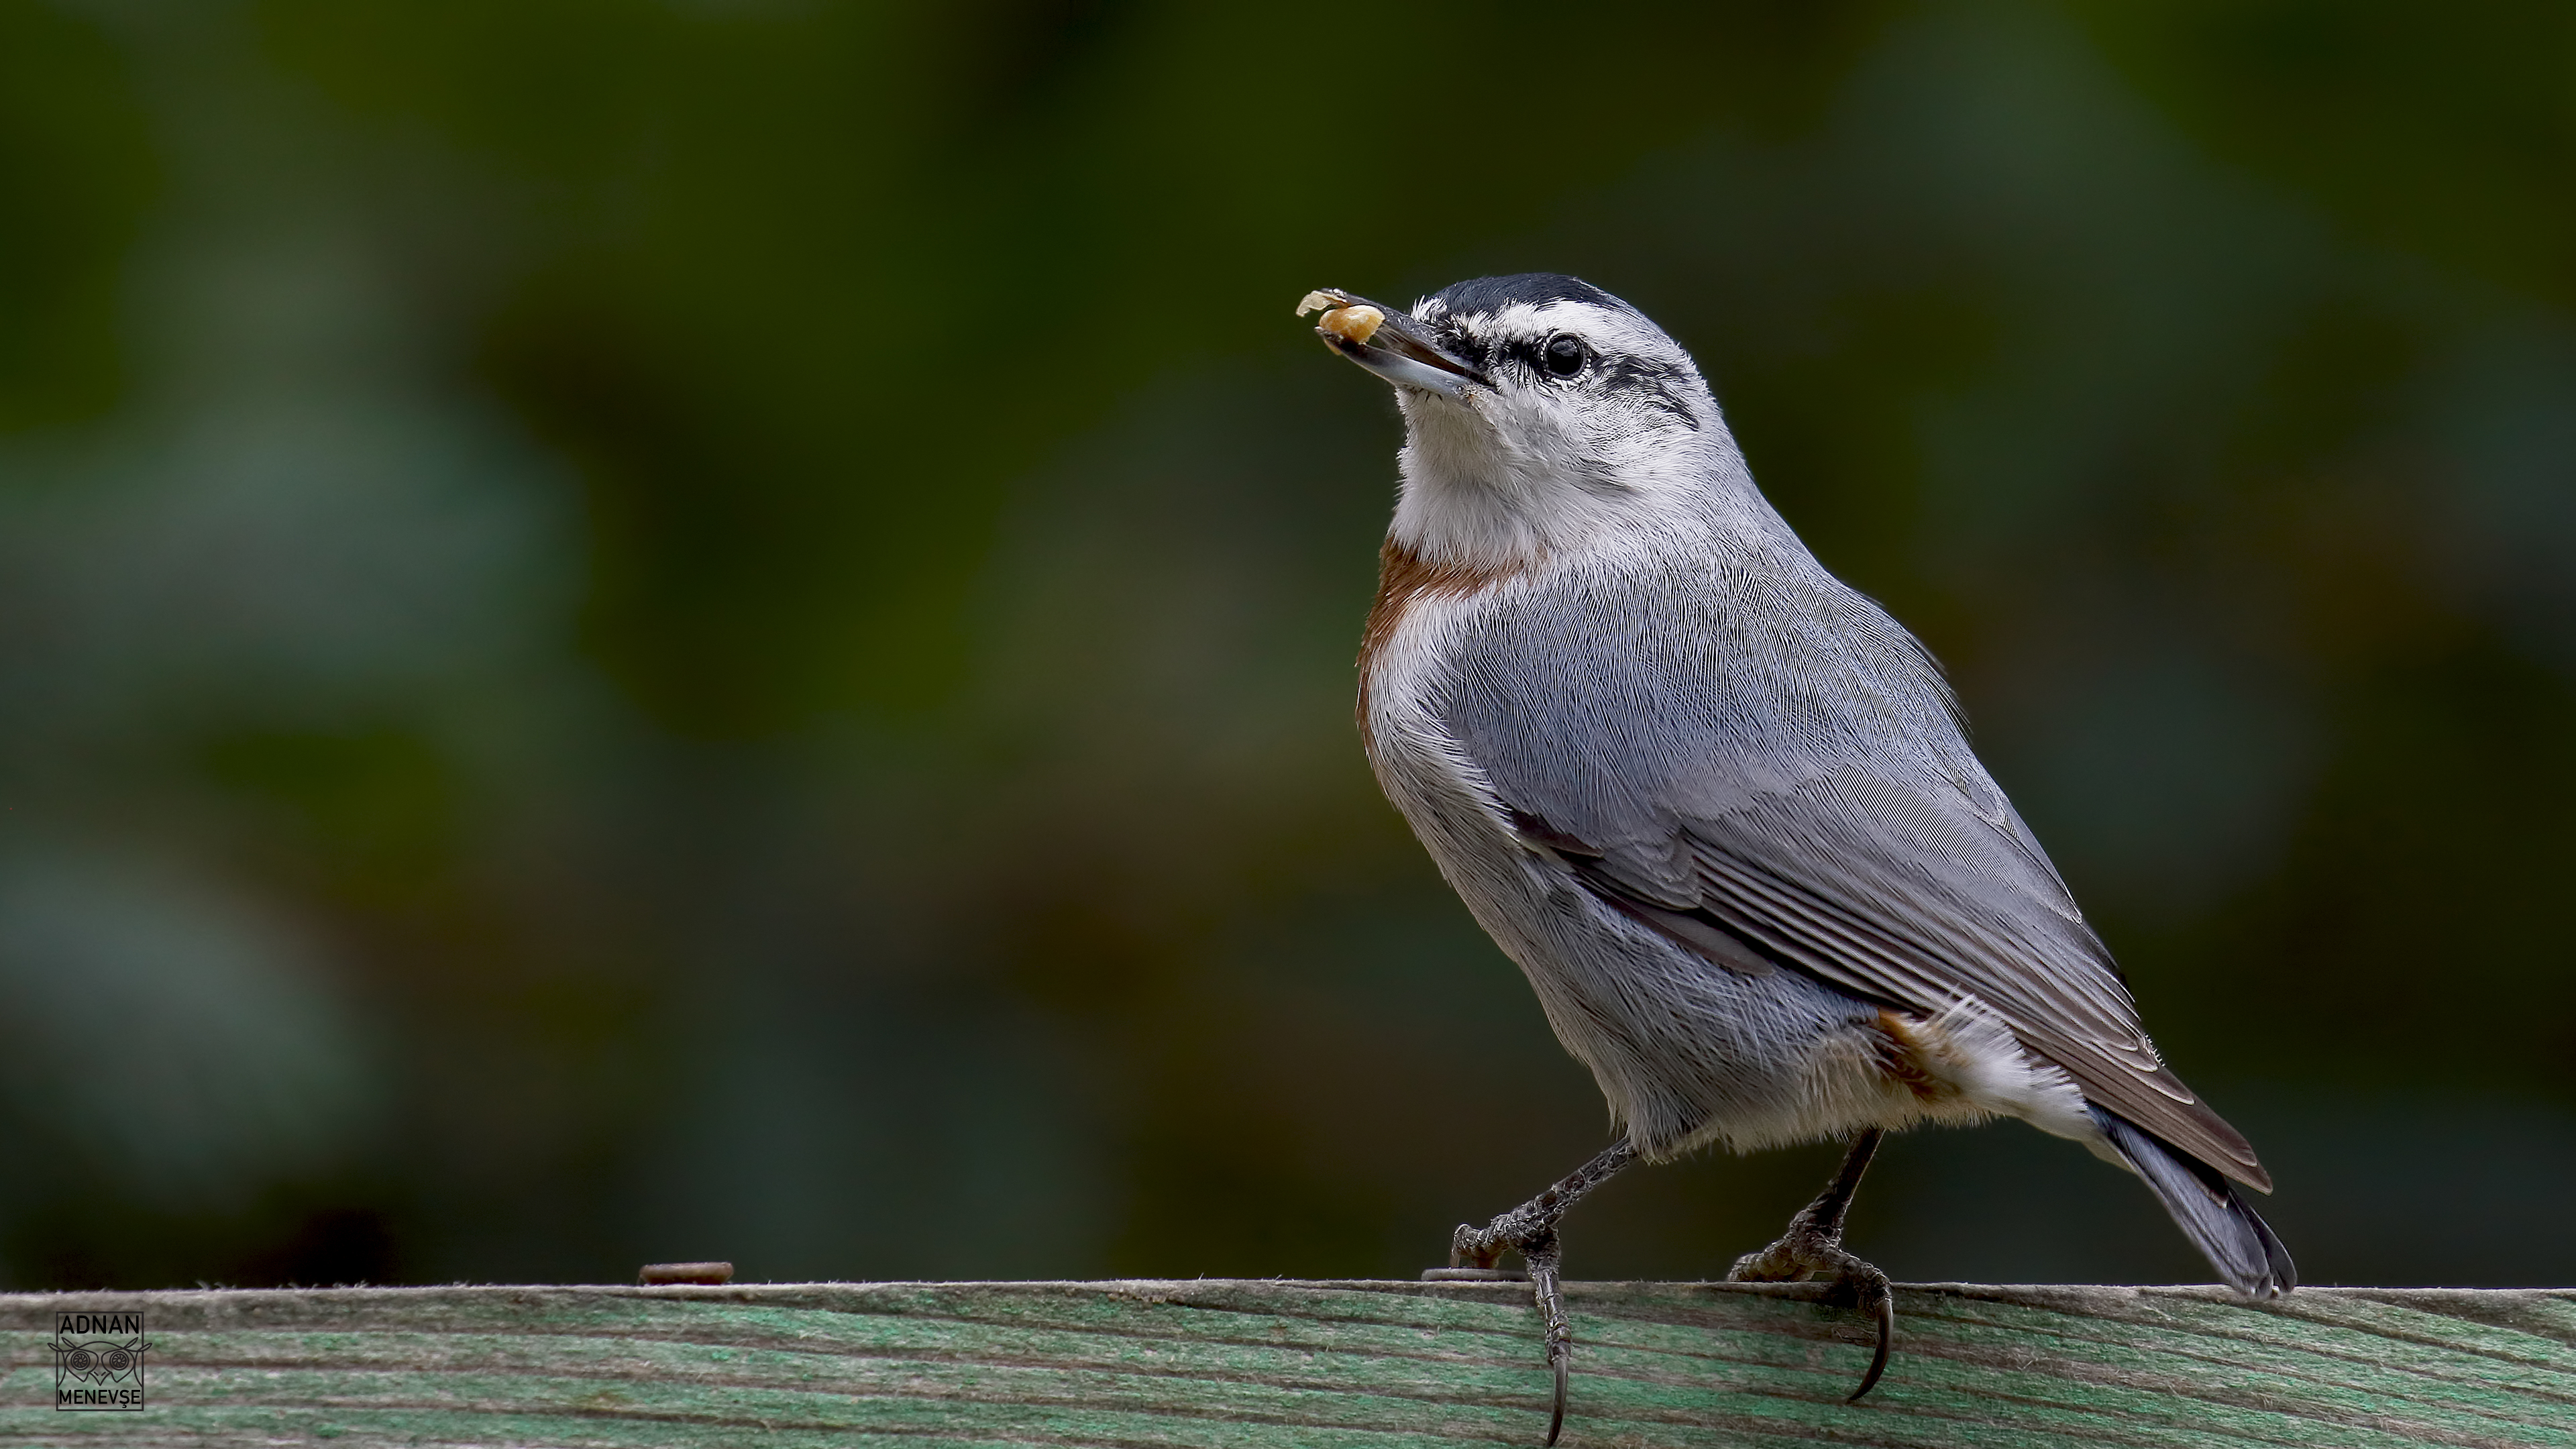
x=1718 y=806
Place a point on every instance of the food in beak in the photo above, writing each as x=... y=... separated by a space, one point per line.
x=1358 y=324
x=1355 y=322
x=1388 y=343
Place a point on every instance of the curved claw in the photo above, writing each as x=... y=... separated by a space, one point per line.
x=1530 y=1230
x=1472 y=1248
x=1878 y=1361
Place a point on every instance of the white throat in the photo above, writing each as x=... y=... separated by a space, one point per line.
x=1491 y=484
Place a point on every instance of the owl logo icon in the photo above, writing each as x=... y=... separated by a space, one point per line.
x=98 y=1361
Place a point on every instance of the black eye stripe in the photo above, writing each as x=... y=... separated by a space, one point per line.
x=1543 y=355
x=1655 y=384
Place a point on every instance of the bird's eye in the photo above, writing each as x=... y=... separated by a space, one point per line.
x=1564 y=355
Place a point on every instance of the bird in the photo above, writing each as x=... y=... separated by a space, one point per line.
x=1719 y=806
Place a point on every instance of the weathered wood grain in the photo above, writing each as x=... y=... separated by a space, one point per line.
x=1254 y=1363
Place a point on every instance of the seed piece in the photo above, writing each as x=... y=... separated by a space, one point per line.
x=1356 y=324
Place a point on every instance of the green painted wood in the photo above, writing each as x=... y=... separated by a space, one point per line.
x=1336 y=1365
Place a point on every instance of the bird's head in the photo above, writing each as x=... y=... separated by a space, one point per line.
x=1541 y=413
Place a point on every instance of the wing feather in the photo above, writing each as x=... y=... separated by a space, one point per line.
x=1819 y=810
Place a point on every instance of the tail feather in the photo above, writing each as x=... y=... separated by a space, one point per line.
x=2206 y=1206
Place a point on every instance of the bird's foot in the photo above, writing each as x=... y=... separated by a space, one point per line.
x=1530 y=1230
x=1804 y=1253
x=1473 y=1252
x=1813 y=1248
x=1480 y=1250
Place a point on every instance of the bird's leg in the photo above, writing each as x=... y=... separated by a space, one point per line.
x=1813 y=1248
x=1530 y=1230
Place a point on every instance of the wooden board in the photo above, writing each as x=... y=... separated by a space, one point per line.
x=1255 y=1363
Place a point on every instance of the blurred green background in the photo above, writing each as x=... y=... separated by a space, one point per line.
x=723 y=628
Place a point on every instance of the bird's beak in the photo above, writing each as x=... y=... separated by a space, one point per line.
x=1388 y=342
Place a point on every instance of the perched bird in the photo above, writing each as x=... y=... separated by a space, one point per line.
x=1717 y=805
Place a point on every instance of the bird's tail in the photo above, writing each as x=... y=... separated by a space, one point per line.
x=2206 y=1206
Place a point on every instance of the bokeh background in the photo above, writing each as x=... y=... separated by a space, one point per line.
x=723 y=628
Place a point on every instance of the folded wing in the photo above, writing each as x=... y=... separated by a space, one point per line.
x=1821 y=813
